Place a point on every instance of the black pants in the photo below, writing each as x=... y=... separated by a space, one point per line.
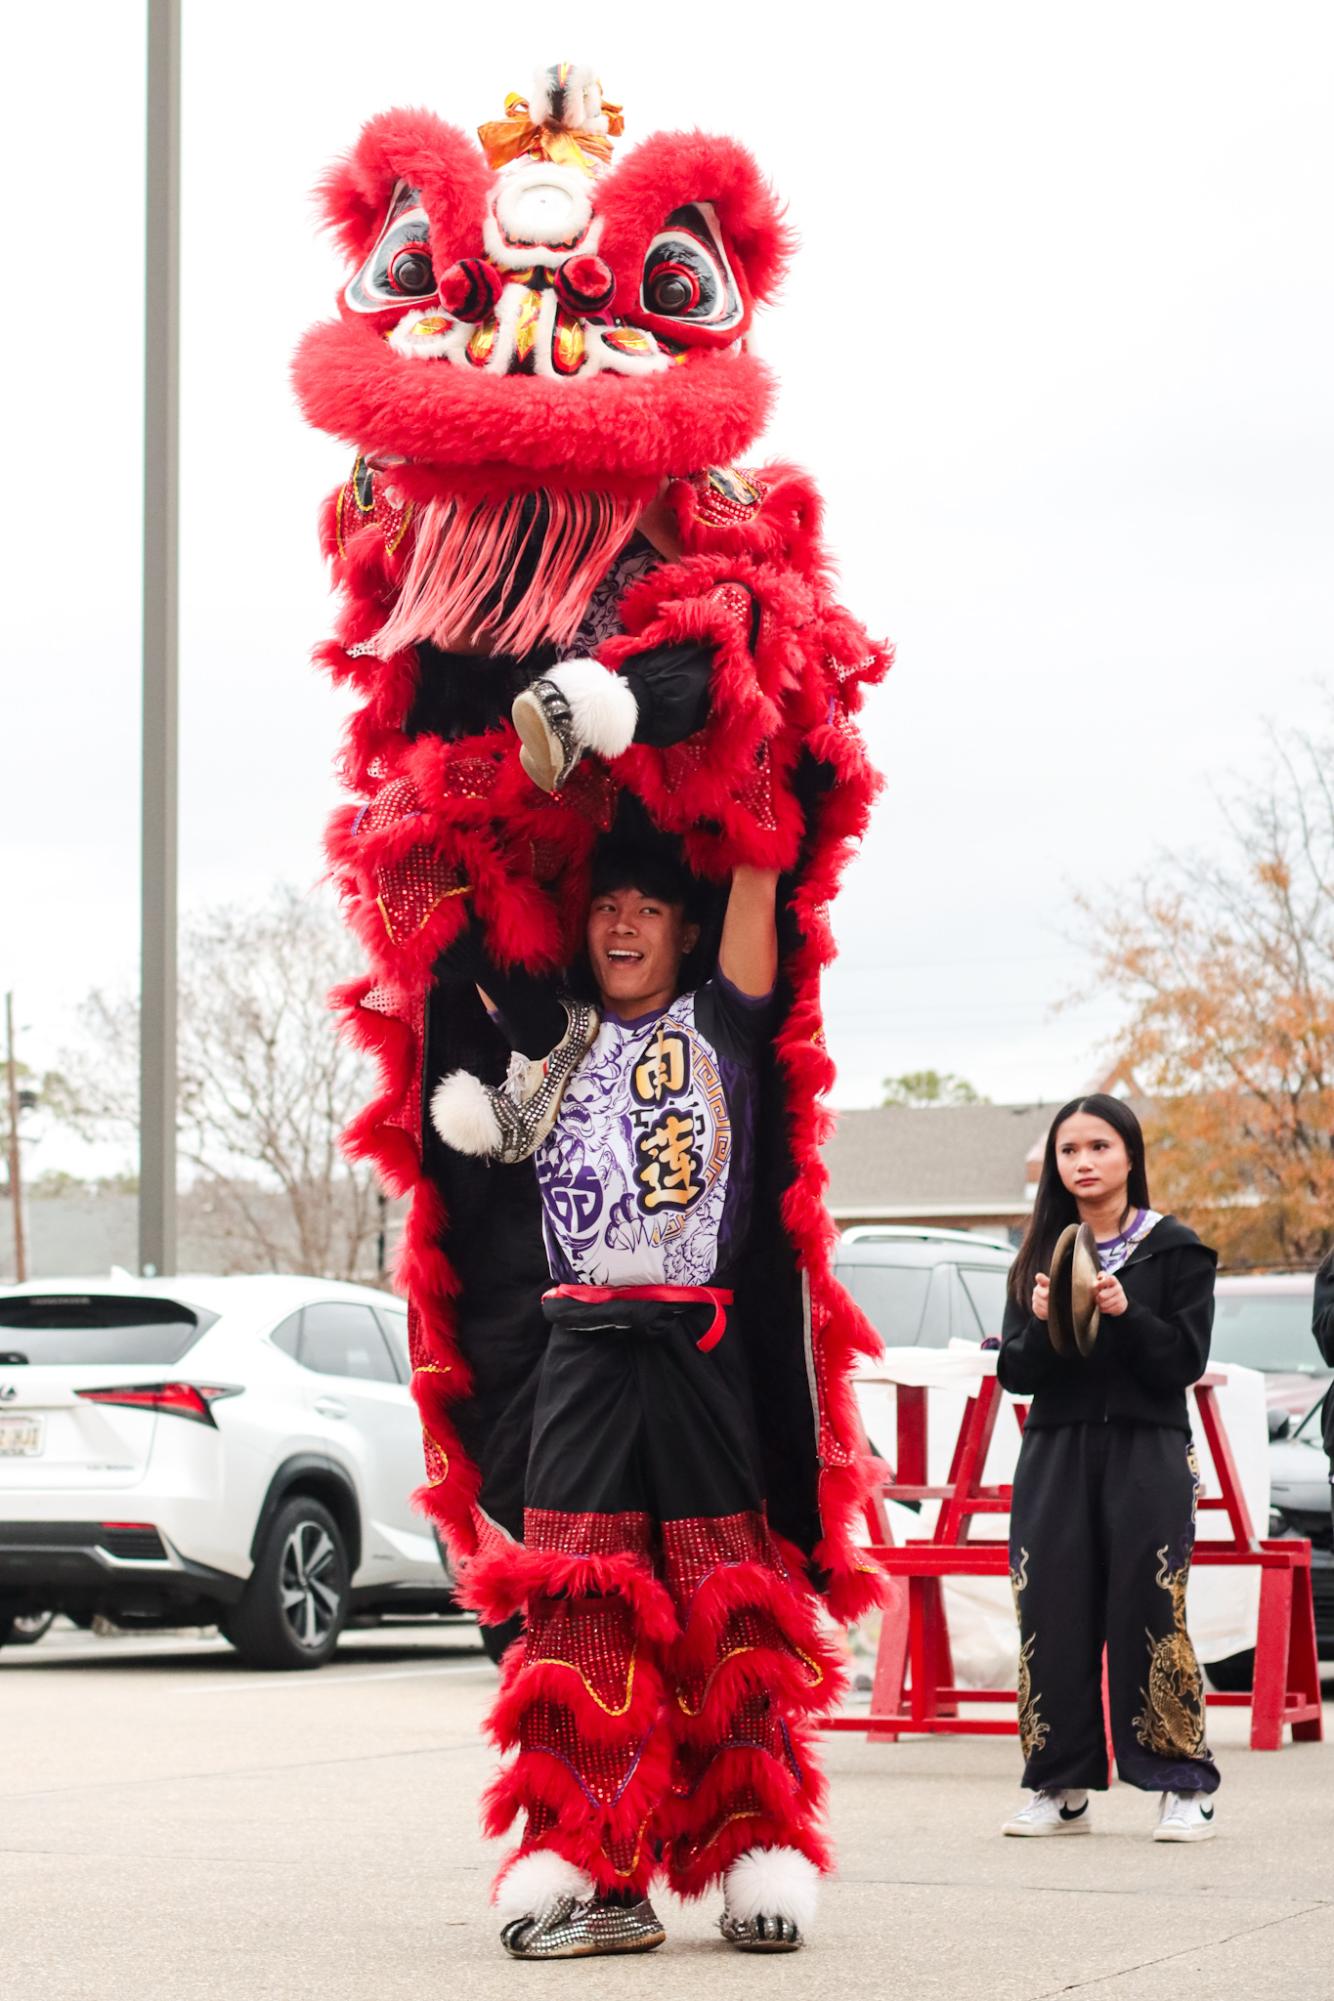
x=637 y=1418
x=672 y=1654
x=1102 y=1526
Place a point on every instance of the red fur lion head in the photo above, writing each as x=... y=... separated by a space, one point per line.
x=524 y=313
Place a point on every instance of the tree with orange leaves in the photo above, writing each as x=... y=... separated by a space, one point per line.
x=1227 y=966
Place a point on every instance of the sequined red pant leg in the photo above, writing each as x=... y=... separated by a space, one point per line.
x=582 y=1699
x=750 y=1668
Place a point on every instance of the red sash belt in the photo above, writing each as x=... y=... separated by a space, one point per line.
x=672 y=1295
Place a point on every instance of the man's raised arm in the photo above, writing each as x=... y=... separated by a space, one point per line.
x=748 y=955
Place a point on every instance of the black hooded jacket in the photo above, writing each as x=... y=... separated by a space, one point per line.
x=1322 y=1326
x=1143 y=1359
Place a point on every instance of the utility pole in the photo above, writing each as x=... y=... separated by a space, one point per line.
x=15 y=1169
x=157 y=1012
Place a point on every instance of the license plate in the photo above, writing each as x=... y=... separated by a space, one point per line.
x=20 y=1437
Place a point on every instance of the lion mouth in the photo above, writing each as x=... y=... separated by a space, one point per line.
x=531 y=333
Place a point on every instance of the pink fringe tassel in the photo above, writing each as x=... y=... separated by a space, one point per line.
x=464 y=558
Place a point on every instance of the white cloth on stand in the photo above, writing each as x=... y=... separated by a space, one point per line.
x=1223 y=1601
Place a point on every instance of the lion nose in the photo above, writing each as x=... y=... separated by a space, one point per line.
x=584 y=284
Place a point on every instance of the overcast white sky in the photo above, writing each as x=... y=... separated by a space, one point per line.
x=1056 y=345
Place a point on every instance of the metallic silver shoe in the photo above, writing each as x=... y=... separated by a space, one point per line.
x=549 y=743
x=580 y=1927
x=760 y=1934
x=508 y=1122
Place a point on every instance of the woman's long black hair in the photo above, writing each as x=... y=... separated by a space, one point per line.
x=1054 y=1206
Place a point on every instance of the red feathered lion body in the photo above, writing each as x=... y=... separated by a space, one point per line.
x=531 y=358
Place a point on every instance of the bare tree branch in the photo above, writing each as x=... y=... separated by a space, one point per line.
x=265 y=1086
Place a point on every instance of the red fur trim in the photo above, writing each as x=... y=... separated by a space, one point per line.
x=611 y=1843
x=761 y=1670
x=784 y=528
x=525 y=1681
x=738 y=1780
x=496 y=1586
x=419 y=148
x=803 y=1672
x=786 y=1793
x=691 y=1875
x=704 y=411
x=669 y=170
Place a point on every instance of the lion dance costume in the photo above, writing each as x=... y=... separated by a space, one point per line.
x=541 y=363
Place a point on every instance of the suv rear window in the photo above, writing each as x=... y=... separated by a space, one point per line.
x=985 y=1287
x=56 y=1329
x=1266 y=1330
x=891 y=1296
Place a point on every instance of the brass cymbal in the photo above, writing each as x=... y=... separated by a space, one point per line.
x=1060 y=1320
x=1084 y=1270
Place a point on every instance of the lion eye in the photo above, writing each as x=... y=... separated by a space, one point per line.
x=399 y=269
x=686 y=273
x=410 y=271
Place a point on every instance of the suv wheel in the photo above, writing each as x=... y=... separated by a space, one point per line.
x=27 y=1628
x=296 y=1603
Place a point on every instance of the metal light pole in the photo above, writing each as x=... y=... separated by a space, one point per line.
x=157 y=1012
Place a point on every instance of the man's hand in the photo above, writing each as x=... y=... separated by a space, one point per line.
x=1041 y=1295
x=748 y=954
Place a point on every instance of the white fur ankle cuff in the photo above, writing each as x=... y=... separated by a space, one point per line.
x=773 y=1883
x=533 y=1884
x=462 y=1114
x=603 y=710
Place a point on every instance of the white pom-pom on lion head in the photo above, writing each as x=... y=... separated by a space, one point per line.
x=568 y=94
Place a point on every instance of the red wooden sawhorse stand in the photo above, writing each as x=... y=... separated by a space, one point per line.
x=913 y=1691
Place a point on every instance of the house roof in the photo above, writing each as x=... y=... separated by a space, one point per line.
x=956 y=1159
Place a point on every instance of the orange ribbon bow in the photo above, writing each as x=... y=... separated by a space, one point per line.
x=514 y=135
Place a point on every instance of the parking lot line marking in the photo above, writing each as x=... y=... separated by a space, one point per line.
x=326 y=1680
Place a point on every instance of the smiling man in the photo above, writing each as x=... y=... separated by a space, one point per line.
x=644 y=1491
x=645 y=1172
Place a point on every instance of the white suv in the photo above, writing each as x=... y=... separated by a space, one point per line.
x=238 y=1450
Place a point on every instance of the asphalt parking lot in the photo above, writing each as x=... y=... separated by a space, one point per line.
x=175 y=1827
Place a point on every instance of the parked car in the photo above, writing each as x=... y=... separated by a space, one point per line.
x=1299 y=1505
x=197 y=1450
x=1263 y=1319
x=924 y=1288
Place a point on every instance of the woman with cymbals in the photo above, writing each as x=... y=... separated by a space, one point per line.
x=1107 y=1323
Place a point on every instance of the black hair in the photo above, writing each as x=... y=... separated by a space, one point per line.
x=653 y=872
x=1054 y=1206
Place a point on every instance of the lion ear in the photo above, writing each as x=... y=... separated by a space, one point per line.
x=445 y=167
x=672 y=169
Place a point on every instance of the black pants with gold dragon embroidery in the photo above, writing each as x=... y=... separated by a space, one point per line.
x=1102 y=1526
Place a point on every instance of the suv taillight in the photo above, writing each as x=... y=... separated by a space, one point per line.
x=192 y=1400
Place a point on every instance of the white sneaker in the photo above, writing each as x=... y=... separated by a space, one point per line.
x=1185 y=1817
x=1060 y=1812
